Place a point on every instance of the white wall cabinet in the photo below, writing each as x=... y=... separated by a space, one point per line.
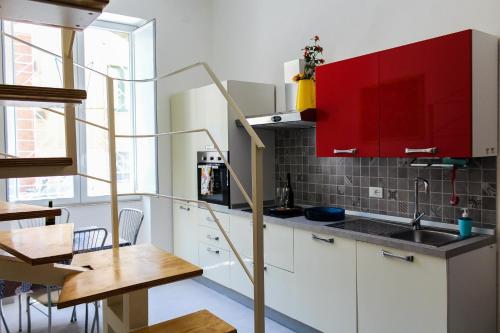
x=185 y=231
x=325 y=282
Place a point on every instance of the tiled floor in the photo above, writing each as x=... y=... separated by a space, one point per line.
x=166 y=302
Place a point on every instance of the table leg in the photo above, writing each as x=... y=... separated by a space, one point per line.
x=125 y=313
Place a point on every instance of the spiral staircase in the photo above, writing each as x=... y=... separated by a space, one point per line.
x=120 y=276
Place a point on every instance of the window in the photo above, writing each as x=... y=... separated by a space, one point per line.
x=33 y=132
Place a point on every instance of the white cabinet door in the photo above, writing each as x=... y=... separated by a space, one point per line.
x=185 y=219
x=395 y=295
x=215 y=263
x=278 y=241
x=212 y=114
x=325 y=281
x=184 y=163
x=279 y=291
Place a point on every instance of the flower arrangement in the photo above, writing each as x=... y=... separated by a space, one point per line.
x=313 y=56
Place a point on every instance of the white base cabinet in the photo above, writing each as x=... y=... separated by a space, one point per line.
x=325 y=282
x=185 y=226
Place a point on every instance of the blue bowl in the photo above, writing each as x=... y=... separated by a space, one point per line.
x=324 y=214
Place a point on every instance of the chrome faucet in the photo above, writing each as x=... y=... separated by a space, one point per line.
x=417 y=215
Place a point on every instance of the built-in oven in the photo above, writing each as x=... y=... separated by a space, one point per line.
x=213 y=178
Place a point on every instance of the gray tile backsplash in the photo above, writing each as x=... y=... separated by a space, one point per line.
x=345 y=182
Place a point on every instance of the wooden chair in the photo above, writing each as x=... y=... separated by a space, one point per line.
x=130 y=221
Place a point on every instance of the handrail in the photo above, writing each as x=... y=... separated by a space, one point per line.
x=210 y=72
x=77 y=119
x=226 y=162
x=214 y=217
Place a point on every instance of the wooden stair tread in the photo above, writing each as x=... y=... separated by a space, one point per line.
x=13 y=211
x=89 y=4
x=36 y=161
x=123 y=270
x=38 y=96
x=198 y=322
x=39 y=245
x=70 y=14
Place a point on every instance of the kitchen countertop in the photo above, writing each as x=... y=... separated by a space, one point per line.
x=446 y=251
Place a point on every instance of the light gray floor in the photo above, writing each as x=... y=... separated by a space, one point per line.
x=165 y=302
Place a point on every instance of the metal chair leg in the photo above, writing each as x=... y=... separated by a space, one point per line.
x=28 y=312
x=19 y=299
x=86 y=317
x=73 y=315
x=95 y=321
x=3 y=318
x=49 y=303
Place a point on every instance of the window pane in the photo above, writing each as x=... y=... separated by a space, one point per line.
x=34 y=132
x=109 y=52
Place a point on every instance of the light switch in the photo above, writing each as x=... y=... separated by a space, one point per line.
x=376 y=192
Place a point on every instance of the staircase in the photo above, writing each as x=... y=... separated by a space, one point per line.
x=120 y=276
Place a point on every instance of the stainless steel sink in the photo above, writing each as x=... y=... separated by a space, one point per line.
x=428 y=237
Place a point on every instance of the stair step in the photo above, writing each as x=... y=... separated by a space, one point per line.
x=12 y=211
x=198 y=322
x=35 y=162
x=86 y=4
x=39 y=245
x=16 y=95
x=71 y=14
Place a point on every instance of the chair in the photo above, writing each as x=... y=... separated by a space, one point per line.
x=38 y=222
x=130 y=221
x=83 y=241
x=2 y=289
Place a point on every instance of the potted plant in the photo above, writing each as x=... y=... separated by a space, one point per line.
x=306 y=95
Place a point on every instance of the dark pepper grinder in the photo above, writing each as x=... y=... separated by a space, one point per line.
x=50 y=220
x=291 y=202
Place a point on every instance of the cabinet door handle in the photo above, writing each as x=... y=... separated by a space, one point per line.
x=215 y=238
x=326 y=240
x=432 y=150
x=213 y=251
x=209 y=219
x=265 y=267
x=395 y=256
x=185 y=208
x=351 y=151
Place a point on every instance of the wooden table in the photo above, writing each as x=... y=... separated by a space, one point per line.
x=122 y=276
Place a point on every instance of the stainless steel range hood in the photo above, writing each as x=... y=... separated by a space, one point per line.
x=294 y=119
x=291 y=118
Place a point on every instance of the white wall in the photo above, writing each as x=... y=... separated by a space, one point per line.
x=252 y=39
x=183 y=37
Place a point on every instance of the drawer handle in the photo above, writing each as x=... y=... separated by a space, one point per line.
x=215 y=238
x=432 y=150
x=265 y=267
x=185 y=208
x=326 y=240
x=351 y=151
x=395 y=256
x=213 y=251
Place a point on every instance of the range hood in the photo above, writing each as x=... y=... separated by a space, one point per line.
x=290 y=118
x=293 y=119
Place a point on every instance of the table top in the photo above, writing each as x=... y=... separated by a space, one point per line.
x=12 y=211
x=39 y=245
x=122 y=270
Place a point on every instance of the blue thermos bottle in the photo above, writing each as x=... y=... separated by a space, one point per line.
x=465 y=224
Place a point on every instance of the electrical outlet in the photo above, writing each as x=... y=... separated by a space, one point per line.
x=376 y=192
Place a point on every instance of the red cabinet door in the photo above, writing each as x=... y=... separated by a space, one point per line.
x=426 y=98
x=347 y=108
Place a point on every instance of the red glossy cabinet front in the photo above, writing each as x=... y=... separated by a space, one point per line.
x=347 y=110
x=425 y=93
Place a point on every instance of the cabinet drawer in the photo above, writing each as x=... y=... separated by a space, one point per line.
x=213 y=237
x=215 y=263
x=206 y=219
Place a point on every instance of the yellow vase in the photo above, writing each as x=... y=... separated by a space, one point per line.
x=306 y=95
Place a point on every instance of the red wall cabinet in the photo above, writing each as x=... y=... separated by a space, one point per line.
x=347 y=108
x=437 y=97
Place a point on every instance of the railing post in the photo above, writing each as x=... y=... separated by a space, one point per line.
x=258 y=239
x=67 y=37
x=112 y=160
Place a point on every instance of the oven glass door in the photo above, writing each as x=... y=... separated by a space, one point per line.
x=213 y=183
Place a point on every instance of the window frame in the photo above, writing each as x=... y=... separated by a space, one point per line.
x=80 y=195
